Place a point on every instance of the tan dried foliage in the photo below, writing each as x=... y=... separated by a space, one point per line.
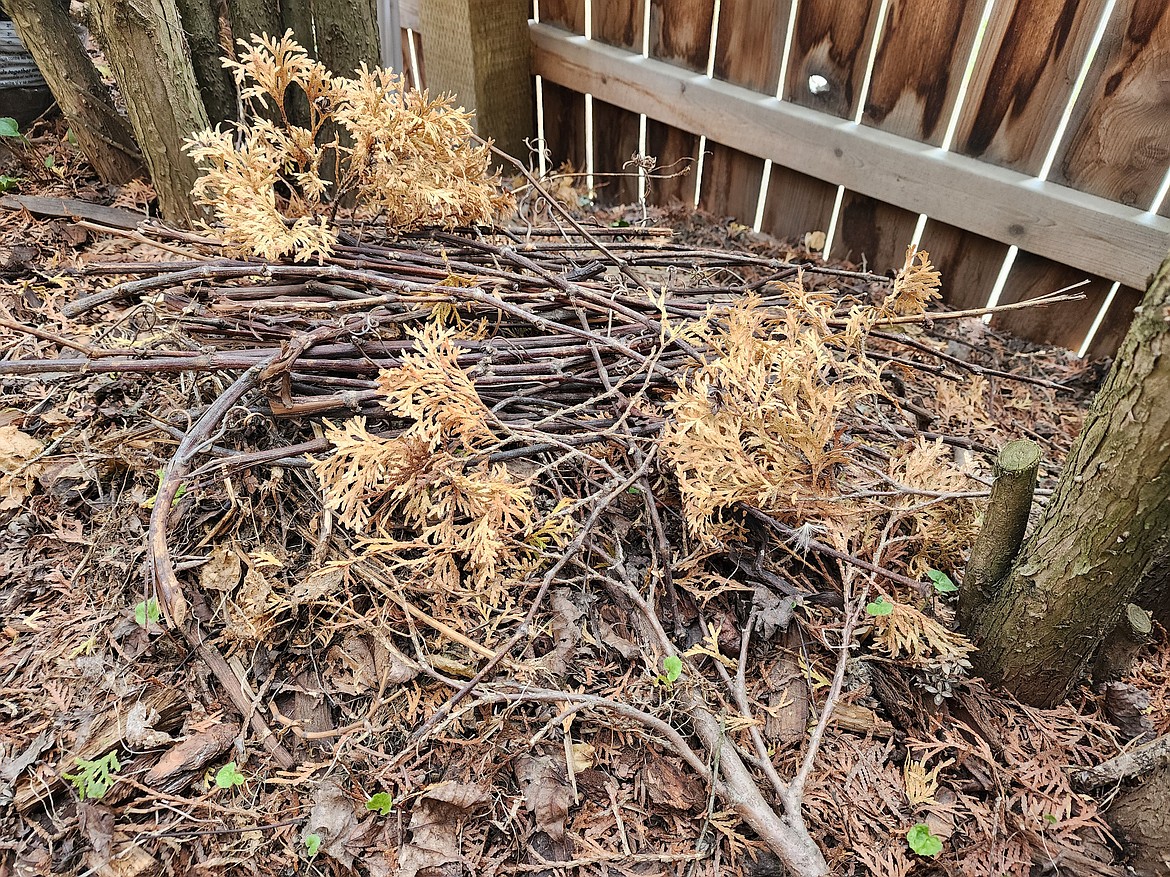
x=396 y=153
x=916 y=285
x=428 y=498
x=761 y=422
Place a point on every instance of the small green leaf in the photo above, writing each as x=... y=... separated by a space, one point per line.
x=70 y=137
x=50 y=160
x=229 y=776
x=7 y=183
x=381 y=802
x=312 y=844
x=880 y=606
x=942 y=581
x=8 y=127
x=923 y=841
x=1050 y=818
x=673 y=667
x=94 y=778
x=147 y=610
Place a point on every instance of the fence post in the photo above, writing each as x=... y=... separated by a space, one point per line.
x=480 y=51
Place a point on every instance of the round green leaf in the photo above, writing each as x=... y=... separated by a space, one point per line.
x=229 y=776
x=880 y=606
x=942 y=582
x=8 y=127
x=381 y=802
x=923 y=841
x=673 y=667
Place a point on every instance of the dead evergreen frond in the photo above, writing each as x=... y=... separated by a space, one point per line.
x=761 y=422
x=370 y=144
x=916 y=285
x=429 y=497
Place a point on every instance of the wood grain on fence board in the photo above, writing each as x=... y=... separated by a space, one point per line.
x=615 y=142
x=922 y=51
x=680 y=34
x=1118 y=140
x=1116 y=323
x=564 y=107
x=796 y=204
x=619 y=22
x=924 y=48
x=1031 y=56
x=676 y=152
x=1072 y=227
x=749 y=51
x=831 y=40
x=1064 y=325
x=1021 y=83
x=564 y=126
x=615 y=130
x=566 y=14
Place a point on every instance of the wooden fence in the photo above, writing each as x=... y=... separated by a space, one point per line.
x=955 y=124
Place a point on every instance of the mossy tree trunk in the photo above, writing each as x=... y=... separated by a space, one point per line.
x=103 y=135
x=1107 y=521
x=144 y=46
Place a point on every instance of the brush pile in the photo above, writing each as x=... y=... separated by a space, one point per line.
x=578 y=546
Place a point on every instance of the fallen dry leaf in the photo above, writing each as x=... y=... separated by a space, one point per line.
x=434 y=827
x=222 y=570
x=667 y=782
x=547 y=796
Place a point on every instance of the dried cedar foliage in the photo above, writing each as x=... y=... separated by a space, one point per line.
x=394 y=152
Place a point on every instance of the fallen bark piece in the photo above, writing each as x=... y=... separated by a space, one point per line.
x=72 y=208
x=1134 y=763
x=193 y=753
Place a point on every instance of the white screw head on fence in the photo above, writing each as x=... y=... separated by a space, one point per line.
x=817 y=84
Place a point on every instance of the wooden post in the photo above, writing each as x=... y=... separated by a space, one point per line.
x=480 y=51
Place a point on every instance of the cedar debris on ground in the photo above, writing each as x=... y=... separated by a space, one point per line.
x=612 y=543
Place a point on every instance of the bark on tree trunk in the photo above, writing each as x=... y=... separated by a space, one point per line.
x=1108 y=518
x=1141 y=817
x=145 y=48
x=346 y=34
x=201 y=26
x=1004 y=525
x=103 y=136
x=255 y=17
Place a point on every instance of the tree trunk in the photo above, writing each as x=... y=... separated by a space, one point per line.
x=201 y=26
x=1004 y=524
x=257 y=17
x=103 y=136
x=1141 y=818
x=145 y=48
x=1109 y=517
x=346 y=34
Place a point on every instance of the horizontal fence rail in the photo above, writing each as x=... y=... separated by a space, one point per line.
x=1085 y=231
